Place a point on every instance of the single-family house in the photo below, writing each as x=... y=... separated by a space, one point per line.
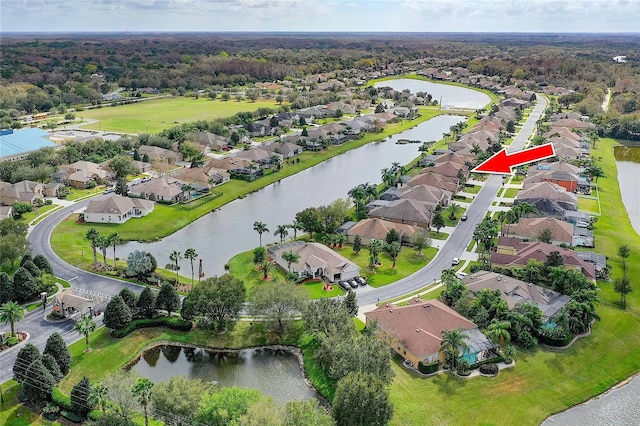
x=599 y=261
x=206 y=175
x=286 y=149
x=316 y=261
x=156 y=153
x=514 y=253
x=164 y=188
x=377 y=229
x=116 y=209
x=405 y=211
x=549 y=198
x=433 y=179
x=561 y=173
x=25 y=191
x=531 y=228
x=414 y=331
x=6 y=212
x=516 y=292
x=81 y=173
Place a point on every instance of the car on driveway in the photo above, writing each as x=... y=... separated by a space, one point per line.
x=353 y=283
x=455 y=261
x=360 y=280
x=344 y=285
x=463 y=217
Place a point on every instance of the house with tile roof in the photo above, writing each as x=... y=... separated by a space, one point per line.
x=530 y=229
x=516 y=292
x=25 y=191
x=434 y=179
x=116 y=209
x=549 y=198
x=377 y=229
x=423 y=193
x=404 y=211
x=67 y=302
x=156 y=153
x=316 y=261
x=514 y=253
x=415 y=331
x=80 y=173
x=164 y=188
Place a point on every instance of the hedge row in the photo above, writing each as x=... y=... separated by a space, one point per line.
x=496 y=360
x=173 y=323
x=428 y=368
x=551 y=341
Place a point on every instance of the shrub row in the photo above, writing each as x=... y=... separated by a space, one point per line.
x=173 y=323
x=428 y=368
x=491 y=368
x=493 y=360
x=552 y=341
x=61 y=400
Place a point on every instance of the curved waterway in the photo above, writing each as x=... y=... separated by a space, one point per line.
x=628 y=164
x=220 y=235
x=274 y=372
x=448 y=95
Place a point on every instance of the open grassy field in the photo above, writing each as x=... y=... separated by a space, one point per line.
x=510 y=192
x=544 y=382
x=588 y=205
x=158 y=114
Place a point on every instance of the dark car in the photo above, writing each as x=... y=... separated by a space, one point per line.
x=344 y=285
x=360 y=280
x=463 y=217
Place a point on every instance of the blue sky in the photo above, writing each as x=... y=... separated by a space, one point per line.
x=321 y=15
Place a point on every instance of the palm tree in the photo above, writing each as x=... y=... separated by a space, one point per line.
x=452 y=342
x=394 y=250
x=86 y=326
x=175 y=257
x=187 y=187
x=11 y=312
x=453 y=209
x=104 y=243
x=143 y=389
x=290 y=257
x=260 y=227
x=624 y=251
x=115 y=240
x=341 y=238
x=296 y=227
x=191 y=254
x=281 y=230
x=358 y=195
x=375 y=247
x=98 y=395
x=266 y=267
x=93 y=235
x=498 y=332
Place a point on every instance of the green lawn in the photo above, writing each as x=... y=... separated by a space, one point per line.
x=408 y=263
x=156 y=115
x=588 y=205
x=76 y=193
x=28 y=217
x=510 y=192
x=438 y=235
x=472 y=189
x=454 y=222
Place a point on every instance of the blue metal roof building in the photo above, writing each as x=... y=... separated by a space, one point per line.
x=17 y=144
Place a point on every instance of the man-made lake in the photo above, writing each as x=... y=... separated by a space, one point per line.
x=220 y=235
x=451 y=96
x=276 y=373
x=617 y=407
x=628 y=163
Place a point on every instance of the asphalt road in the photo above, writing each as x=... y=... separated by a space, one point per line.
x=39 y=238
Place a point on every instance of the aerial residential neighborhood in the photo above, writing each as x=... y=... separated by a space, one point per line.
x=311 y=228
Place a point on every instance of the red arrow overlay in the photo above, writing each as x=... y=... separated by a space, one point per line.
x=501 y=162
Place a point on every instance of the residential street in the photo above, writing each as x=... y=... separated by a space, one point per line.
x=454 y=246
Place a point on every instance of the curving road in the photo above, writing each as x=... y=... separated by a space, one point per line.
x=454 y=246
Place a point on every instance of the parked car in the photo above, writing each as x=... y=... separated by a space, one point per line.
x=463 y=217
x=108 y=191
x=455 y=261
x=360 y=280
x=344 y=285
x=353 y=283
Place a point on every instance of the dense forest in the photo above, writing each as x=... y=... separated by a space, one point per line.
x=49 y=72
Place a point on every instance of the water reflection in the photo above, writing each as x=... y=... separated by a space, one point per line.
x=274 y=372
x=628 y=164
x=450 y=96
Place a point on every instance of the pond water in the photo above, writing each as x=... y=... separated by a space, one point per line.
x=628 y=163
x=220 y=235
x=274 y=372
x=451 y=96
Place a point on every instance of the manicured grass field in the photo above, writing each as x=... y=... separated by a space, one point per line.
x=407 y=263
x=472 y=189
x=510 y=192
x=438 y=235
x=588 y=205
x=454 y=222
x=28 y=217
x=156 y=115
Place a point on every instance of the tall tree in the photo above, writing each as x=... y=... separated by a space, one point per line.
x=58 y=349
x=143 y=389
x=281 y=230
x=114 y=239
x=43 y=264
x=218 y=300
x=438 y=222
x=80 y=397
x=93 y=235
x=624 y=251
x=226 y=406
x=180 y=397
x=119 y=384
x=361 y=399
x=420 y=241
x=6 y=287
x=290 y=257
x=117 y=314
x=38 y=384
x=175 y=257
x=393 y=250
x=146 y=303
x=622 y=286
x=25 y=285
x=498 y=332
x=278 y=303
x=351 y=303
x=11 y=312
x=86 y=326
x=52 y=367
x=307 y=413
x=453 y=210
x=260 y=228
x=168 y=298
x=191 y=255
x=26 y=356
x=453 y=341
x=357 y=244
x=98 y=396
x=129 y=298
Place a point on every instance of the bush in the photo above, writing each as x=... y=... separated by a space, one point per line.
x=95 y=415
x=428 y=368
x=61 y=400
x=491 y=369
x=493 y=360
x=48 y=202
x=51 y=411
x=173 y=323
x=12 y=341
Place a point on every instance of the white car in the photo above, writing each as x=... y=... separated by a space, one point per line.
x=455 y=261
